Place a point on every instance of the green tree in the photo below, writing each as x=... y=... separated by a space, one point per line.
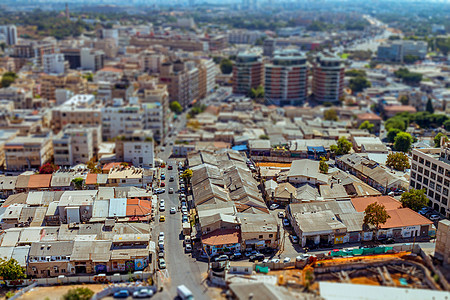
x=404 y=100
x=358 y=84
x=11 y=270
x=8 y=78
x=375 y=214
x=398 y=161
x=226 y=66
x=392 y=133
x=408 y=77
x=93 y=168
x=437 y=139
x=80 y=293
x=414 y=199
x=89 y=77
x=396 y=123
x=343 y=146
x=367 y=125
x=187 y=175
x=410 y=59
x=78 y=183
x=403 y=142
x=323 y=166
x=257 y=93
x=447 y=125
x=429 y=107
x=355 y=73
x=263 y=137
x=330 y=115
x=175 y=106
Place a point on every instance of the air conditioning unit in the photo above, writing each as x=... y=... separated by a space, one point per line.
x=55 y=268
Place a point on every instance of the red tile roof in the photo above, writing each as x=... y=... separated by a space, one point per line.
x=222 y=237
x=91 y=178
x=360 y=203
x=137 y=207
x=400 y=108
x=109 y=166
x=404 y=217
x=39 y=181
x=368 y=116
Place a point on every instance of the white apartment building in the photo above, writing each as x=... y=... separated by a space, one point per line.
x=151 y=61
x=54 y=63
x=118 y=120
x=154 y=119
x=430 y=170
x=138 y=149
x=76 y=144
x=92 y=60
x=8 y=34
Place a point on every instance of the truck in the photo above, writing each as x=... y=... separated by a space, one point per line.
x=184 y=293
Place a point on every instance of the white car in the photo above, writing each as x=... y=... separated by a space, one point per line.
x=173 y=210
x=162 y=207
x=275 y=260
x=188 y=247
x=274 y=206
x=286 y=260
x=161 y=236
x=266 y=260
x=171 y=191
x=143 y=293
x=294 y=239
x=281 y=214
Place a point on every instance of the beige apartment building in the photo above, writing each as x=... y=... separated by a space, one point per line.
x=64 y=115
x=72 y=82
x=28 y=152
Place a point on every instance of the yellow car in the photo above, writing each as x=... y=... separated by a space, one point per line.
x=162 y=218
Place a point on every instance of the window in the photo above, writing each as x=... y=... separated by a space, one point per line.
x=260 y=236
x=427 y=163
x=434 y=167
x=414 y=166
x=437 y=197
x=441 y=170
x=421 y=160
x=438 y=187
x=413 y=175
x=420 y=170
x=427 y=173
x=270 y=235
x=433 y=176
x=412 y=184
x=432 y=185
x=425 y=181
x=446 y=182
x=439 y=179
x=430 y=193
x=415 y=157
x=444 y=201
x=63 y=270
x=418 y=187
x=419 y=178
x=445 y=191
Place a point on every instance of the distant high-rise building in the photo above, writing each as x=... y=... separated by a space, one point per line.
x=248 y=73
x=286 y=78
x=395 y=51
x=8 y=33
x=269 y=47
x=67 y=11
x=328 y=78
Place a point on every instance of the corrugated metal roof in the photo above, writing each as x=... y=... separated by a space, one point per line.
x=30 y=235
x=35 y=198
x=105 y=193
x=11 y=237
x=21 y=255
x=101 y=208
x=117 y=207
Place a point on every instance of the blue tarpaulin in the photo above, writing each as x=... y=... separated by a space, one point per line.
x=240 y=148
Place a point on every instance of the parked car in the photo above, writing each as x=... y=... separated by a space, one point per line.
x=275 y=260
x=287 y=259
x=435 y=217
x=281 y=214
x=222 y=257
x=268 y=250
x=390 y=241
x=162 y=263
x=266 y=260
x=162 y=219
x=161 y=254
x=250 y=253
x=188 y=247
x=274 y=206
x=143 y=293
x=171 y=191
x=171 y=179
x=286 y=222
x=294 y=239
x=236 y=256
x=257 y=257
x=169 y=167
x=161 y=236
x=162 y=184
x=162 y=207
x=173 y=210
x=122 y=294
x=185 y=219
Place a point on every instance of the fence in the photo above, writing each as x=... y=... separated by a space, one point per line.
x=23 y=291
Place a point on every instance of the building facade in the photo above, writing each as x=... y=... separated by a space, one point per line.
x=54 y=63
x=286 y=79
x=328 y=79
x=248 y=73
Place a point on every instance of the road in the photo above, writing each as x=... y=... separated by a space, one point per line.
x=181 y=267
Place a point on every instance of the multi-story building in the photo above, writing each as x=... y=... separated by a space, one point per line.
x=206 y=77
x=18 y=96
x=395 y=51
x=151 y=61
x=269 y=47
x=137 y=149
x=154 y=119
x=248 y=73
x=328 y=78
x=182 y=81
x=119 y=120
x=28 y=152
x=184 y=42
x=92 y=60
x=54 y=63
x=63 y=115
x=72 y=82
x=76 y=144
x=286 y=79
x=73 y=56
x=244 y=36
x=430 y=170
x=8 y=33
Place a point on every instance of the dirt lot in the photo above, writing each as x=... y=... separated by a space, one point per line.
x=56 y=292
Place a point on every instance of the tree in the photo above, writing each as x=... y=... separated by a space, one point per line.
x=330 y=115
x=11 y=270
x=398 y=161
x=437 y=139
x=257 y=93
x=323 y=166
x=226 y=66
x=355 y=73
x=408 y=77
x=403 y=142
x=410 y=59
x=395 y=123
x=89 y=77
x=392 y=133
x=429 y=107
x=175 y=106
x=414 y=199
x=187 y=175
x=342 y=147
x=375 y=214
x=78 y=183
x=48 y=168
x=359 y=83
x=263 y=137
x=93 y=168
x=404 y=100
x=80 y=293
x=8 y=78
x=367 y=125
